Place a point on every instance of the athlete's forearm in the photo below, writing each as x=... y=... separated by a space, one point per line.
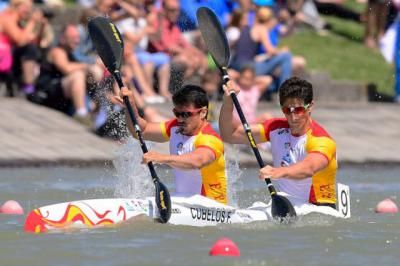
x=312 y=164
x=185 y=161
x=225 y=120
x=296 y=172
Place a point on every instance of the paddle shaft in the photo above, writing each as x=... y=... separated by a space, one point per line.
x=247 y=129
x=138 y=131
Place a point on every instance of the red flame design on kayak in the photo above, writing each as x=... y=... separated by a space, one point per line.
x=36 y=222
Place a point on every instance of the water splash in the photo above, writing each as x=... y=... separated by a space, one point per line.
x=235 y=183
x=133 y=178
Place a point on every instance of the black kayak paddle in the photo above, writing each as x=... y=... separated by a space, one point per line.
x=110 y=47
x=217 y=45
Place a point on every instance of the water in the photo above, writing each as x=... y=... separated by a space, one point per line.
x=365 y=239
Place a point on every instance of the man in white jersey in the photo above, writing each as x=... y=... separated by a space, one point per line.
x=304 y=155
x=196 y=150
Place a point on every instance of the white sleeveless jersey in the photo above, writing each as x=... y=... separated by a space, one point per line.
x=210 y=181
x=288 y=149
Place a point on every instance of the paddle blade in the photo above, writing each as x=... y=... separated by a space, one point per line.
x=163 y=201
x=282 y=209
x=214 y=36
x=107 y=41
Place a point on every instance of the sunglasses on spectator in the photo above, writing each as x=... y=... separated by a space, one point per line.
x=186 y=114
x=297 y=110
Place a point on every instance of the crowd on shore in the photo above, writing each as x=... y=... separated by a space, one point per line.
x=163 y=47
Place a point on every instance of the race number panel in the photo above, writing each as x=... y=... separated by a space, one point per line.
x=343 y=194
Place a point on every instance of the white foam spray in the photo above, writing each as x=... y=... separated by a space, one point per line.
x=235 y=183
x=133 y=177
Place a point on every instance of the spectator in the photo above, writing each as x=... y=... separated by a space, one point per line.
x=19 y=26
x=276 y=30
x=169 y=39
x=120 y=13
x=136 y=30
x=62 y=80
x=249 y=96
x=237 y=22
x=248 y=45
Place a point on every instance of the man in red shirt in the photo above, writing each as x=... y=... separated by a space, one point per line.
x=169 y=39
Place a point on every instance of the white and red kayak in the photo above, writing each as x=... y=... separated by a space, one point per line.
x=192 y=211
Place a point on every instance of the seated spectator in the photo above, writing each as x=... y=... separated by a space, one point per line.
x=19 y=25
x=62 y=81
x=248 y=45
x=136 y=30
x=169 y=39
x=276 y=30
x=237 y=22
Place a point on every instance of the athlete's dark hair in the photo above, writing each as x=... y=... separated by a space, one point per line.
x=295 y=87
x=190 y=94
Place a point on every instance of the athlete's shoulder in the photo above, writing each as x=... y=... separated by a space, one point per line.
x=275 y=123
x=167 y=125
x=318 y=131
x=209 y=138
x=208 y=130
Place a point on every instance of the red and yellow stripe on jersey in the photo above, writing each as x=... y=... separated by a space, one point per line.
x=289 y=149
x=210 y=181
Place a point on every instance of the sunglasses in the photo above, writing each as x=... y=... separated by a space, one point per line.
x=186 y=114
x=298 y=110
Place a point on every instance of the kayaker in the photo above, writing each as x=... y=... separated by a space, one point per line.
x=196 y=150
x=303 y=153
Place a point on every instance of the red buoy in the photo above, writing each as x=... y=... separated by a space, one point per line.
x=386 y=206
x=11 y=207
x=224 y=247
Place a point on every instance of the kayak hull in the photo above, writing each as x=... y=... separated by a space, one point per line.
x=193 y=211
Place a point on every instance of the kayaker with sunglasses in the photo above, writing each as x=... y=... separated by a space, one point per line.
x=196 y=150
x=303 y=153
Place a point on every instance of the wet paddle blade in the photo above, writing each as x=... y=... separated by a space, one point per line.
x=214 y=36
x=107 y=41
x=282 y=209
x=163 y=201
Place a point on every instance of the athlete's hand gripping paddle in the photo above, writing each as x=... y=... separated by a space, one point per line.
x=217 y=45
x=109 y=45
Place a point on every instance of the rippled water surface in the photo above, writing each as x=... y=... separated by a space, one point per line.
x=365 y=239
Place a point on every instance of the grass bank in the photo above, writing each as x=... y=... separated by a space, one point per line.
x=342 y=54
